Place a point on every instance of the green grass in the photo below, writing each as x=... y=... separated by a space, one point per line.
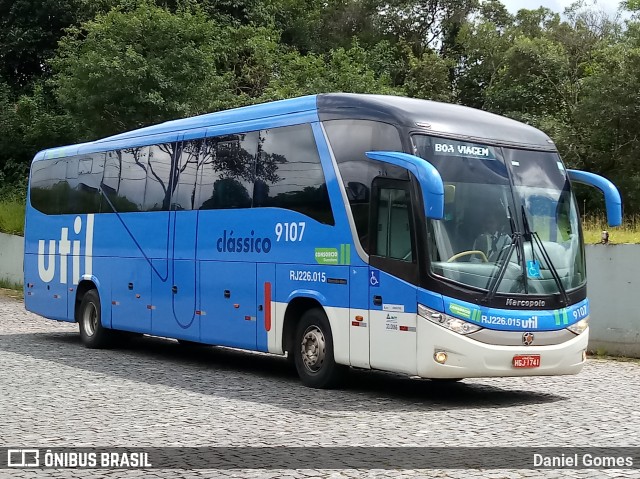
x=601 y=353
x=12 y=216
x=11 y=289
x=6 y=284
x=628 y=232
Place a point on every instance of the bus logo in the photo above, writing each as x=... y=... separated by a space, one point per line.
x=64 y=247
x=527 y=339
x=332 y=256
x=227 y=243
x=23 y=458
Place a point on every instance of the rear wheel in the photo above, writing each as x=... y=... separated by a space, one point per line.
x=313 y=352
x=92 y=333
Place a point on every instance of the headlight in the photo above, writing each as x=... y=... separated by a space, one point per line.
x=454 y=324
x=580 y=326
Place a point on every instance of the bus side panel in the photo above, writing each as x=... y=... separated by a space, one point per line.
x=49 y=263
x=48 y=299
x=359 y=328
x=130 y=294
x=228 y=299
x=327 y=284
x=174 y=301
x=393 y=323
x=265 y=290
x=123 y=246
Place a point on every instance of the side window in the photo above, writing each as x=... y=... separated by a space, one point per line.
x=124 y=178
x=289 y=173
x=158 y=185
x=187 y=168
x=394 y=224
x=350 y=140
x=110 y=182
x=84 y=174
x=228 y=166
x=48 y=183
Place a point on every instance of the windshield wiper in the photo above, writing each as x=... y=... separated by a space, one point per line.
x=533 y=235
x=516 y=242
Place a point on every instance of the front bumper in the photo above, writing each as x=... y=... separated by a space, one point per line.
x=467 y=358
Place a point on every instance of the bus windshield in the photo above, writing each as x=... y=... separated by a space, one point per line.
x=492 y=196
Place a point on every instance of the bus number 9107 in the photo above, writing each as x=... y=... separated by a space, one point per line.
x=290 y=231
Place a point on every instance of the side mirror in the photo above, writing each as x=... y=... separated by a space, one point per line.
x=612 y=199
x=429 y=178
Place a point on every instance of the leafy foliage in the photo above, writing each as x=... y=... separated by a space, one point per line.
x=74 y=70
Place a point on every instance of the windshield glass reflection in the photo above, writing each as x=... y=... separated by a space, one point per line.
x=481 y=220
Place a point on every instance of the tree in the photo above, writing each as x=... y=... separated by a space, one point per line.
x=424 y=24
x=29 y=33
x=341 y=70
x=126 y=70
x=608 y=116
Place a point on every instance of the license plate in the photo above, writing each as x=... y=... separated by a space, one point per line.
x=526 y=361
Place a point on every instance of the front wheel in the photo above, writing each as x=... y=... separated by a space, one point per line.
x=92 y=333
x=313 y=352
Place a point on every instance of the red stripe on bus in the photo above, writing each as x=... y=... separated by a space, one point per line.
x=267 y=306
x=404 y=328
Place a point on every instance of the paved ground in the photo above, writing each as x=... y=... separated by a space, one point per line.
x=54 y=392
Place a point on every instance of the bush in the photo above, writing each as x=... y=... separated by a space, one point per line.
x=12 y=216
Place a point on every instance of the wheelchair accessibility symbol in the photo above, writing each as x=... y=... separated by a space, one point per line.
x=533 y=268
x=374 y=280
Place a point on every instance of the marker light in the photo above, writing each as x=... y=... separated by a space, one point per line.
x=440 y=357
x=454 y=324
x=580 y=326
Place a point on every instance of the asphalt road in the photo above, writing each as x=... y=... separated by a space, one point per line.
x=155 y=392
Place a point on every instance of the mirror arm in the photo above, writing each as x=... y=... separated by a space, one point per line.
x=430 y=180
x=612 y=199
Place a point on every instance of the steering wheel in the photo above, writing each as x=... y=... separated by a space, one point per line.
x=469 y=253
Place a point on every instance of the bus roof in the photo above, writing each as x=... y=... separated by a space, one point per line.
x=430 y=117
x=436 y=118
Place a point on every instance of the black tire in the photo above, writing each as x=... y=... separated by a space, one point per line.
x=92 y=333
x=446 y=380
x=313 y=334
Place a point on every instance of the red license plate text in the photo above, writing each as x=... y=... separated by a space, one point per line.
x=526 y=361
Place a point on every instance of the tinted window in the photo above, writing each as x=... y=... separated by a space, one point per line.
x=394 y=230
x=537 y=169
x=350 y=140
x=48 y=184
x=110 y=181
x=228 y=171
x=462 y=162
x=158 y=188
x=187 y=168
x=124 y=179
x=84 y=174
x=289 y=174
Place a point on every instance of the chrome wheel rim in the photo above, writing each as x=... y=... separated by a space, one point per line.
x=313 y=349
x=90 y=319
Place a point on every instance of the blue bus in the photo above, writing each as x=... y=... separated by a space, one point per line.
x=342 y=230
